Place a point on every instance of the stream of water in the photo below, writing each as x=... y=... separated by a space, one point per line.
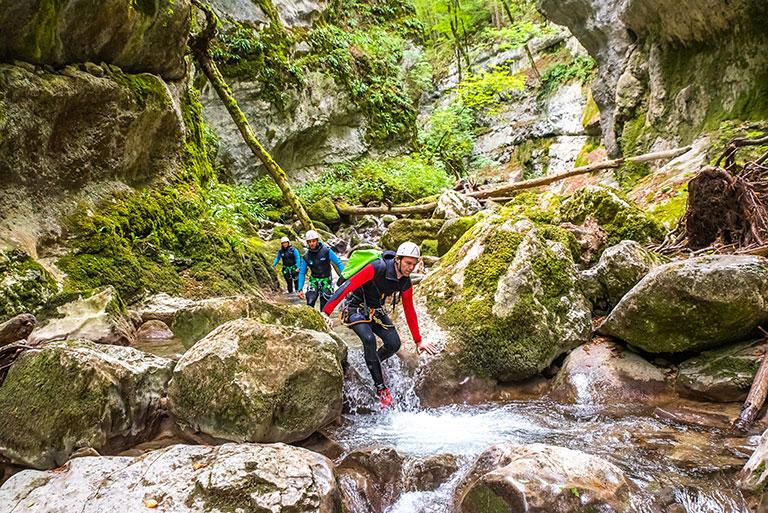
x=693 y=468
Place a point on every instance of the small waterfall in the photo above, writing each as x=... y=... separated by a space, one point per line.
x=360 y=393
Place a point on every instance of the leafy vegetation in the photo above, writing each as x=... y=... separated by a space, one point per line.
x=580 y=68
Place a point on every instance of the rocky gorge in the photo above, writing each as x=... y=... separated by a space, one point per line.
x=587 y=361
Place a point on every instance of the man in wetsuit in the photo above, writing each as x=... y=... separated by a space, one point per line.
x=290 y=257
x=318 y=260
x=364 y=313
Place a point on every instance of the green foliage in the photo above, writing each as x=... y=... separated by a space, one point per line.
x=450 y=138
x=580 y=68
x=263 y=56
x=487 y=89
x=367 y=63
x=399 y=180
x=517 y=35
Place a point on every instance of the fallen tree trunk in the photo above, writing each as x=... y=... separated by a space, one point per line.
x=597 y=166
x=515 y=186
x=756 y=397
x=199 y=44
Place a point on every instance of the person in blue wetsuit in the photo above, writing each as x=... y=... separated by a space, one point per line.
x=318 y=259
x=290 y=257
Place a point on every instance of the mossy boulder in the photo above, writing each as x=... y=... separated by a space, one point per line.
x=184 y=479
x=452 y=204
x=191 y=320
x=509 y=297
x=693 y=304
x=428 y=247
x=538 y=477
x=253 y=382
x=452 y=231
x=414 y=230
x=98 y=316
x=619 y=269
x=139 y=36
x=324 y=211
x=74 y=394
x=721 y=375
x=622 y=219
x=25 y=286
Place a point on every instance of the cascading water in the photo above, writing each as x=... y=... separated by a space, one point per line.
x=646 y=448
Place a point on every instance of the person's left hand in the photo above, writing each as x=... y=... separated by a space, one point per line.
x=422 y=347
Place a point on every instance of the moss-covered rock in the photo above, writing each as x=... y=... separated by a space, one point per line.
x=68 y=395
x=191 y=320
x=721 y=375
x=140 y=36
x=616 y=215
x=693 y=304
x=324 y=211
x=452 y=204
x=25 y=286
x=248 y=381
x=414 y=230
x=452 y=231
x=619 y=269
x=509 y=297
x=428 y=247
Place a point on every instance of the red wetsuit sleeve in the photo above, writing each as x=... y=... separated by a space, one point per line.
x=410 y=314
x=361 y=277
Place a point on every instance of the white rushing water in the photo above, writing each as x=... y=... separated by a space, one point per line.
x=645 y=447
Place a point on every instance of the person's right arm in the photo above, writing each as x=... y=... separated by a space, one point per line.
x=302 y=273
x=361 y=277
x=277 y=258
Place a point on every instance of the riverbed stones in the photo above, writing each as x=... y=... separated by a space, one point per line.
x=693 y=304
x=602 y=372
x=619 y=269
x=541 y=478
x=254 y=382
x=414 y=230
x=98 y=317
x=721 y=375
x=508 y=296
x=136 y=36
x=453 y=204
x=376 y=473
x=184 y=479
x=429 y=472
x=74 y=394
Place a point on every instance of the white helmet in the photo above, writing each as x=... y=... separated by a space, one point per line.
x=311 y=234
x=284 y=239
x=408 y=249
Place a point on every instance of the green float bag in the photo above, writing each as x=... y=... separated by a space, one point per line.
x=359 y=259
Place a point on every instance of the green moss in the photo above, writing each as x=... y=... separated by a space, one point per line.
x=40 y=35
x=25 y=287
x=146 y=7
x=532 y=156
x=414 y=230
x=591 y=111
x=592 y=144
x=484 y=272
x=452 y=231
x=429 y=247
x=68 y=402
x=324 y=211
x=197 y=164
x=614 y=213
x=536 y=206
x=563 y=236
x=148 y=90
x=482 y=499
x=670 y=211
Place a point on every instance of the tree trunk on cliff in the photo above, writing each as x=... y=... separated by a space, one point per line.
x=199 y=44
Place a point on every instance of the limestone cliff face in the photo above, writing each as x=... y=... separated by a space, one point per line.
x=72 y=130
x=668 y=69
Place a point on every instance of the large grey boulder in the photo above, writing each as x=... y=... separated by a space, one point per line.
x=452 y=204
x=183 y=479
x=540 y=478
x=693 y=304
x=141 y=36
x=76 y=394
x=619 y=269
x=98 y=318
x=508 y=296
x=248 y=381
x=74 y=136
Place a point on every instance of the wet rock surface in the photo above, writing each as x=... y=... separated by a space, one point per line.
x=184 y=479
